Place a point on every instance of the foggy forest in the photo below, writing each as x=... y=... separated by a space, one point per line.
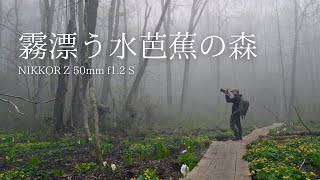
x=132 y=107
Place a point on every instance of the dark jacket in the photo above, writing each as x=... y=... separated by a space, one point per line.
x=235 y=103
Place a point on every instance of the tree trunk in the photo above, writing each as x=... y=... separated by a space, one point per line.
x=144 y=29
x=52 y=83
x=95 y=122
x=142 y=69
x=90 y=26
x=166 y=27
x=194 y=19
x=91 y=21
x=78 y=111
x=73 y=77
x=107 y=77
x=62 y=87
x=80 y=25
x=125 y=80
x=48 y=12
x=218 y=67
x=284 y=98
x=294 y=60
x=1 y=23
x=110 y=63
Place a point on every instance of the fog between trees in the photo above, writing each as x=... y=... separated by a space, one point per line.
x=284 y=73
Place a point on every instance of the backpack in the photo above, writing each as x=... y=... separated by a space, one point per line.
x=243 y=107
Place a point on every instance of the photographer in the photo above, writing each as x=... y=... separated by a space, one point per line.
x=235 y=123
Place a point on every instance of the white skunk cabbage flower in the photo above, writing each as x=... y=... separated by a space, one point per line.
x=184 y=170
x=90 y=139
x=79 y=142
x=113 y=167
x=184 y=151
x=104 y=163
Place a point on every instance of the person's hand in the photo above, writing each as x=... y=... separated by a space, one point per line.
x=226 y=92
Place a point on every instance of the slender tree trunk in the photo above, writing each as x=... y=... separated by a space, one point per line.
x=95 y=122
x=80 y=25
x=166 y=27
x=91 y=21
x=59 y=104
x=294 y=60
x=110 y=58
x=194 y=19
x=107 y=78
x=1 y=28
x=16 y=39
x=52 y=83
x=73 y=62
x=218 y=67
x=47 y=22
x=284 y=98
x=142 y=69
x=185 y=84
x=78 y=111
x=125 y=81
x=144 y=29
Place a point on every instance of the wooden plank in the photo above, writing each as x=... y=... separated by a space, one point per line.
x=223 y=160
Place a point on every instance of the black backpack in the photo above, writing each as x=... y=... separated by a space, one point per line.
x=243 y=107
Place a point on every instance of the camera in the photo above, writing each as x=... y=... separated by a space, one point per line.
x=223 y=90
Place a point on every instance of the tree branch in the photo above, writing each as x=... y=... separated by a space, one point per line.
x=301 y=119
x=199 y=15
x=31 y=101
x=15 y=106
x=273 y=113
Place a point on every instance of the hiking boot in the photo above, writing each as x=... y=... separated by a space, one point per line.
x=237 y=139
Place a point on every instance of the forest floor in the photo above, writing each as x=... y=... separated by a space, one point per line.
x=26 y=155
x=281 y=155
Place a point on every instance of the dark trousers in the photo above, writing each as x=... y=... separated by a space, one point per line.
x=235 y=125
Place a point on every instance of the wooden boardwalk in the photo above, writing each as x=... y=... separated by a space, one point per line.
x=223 y=160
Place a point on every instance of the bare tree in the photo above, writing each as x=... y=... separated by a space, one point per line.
x=284 y=98
x=143 y=67
x=166 y=27
x=1 y=28
x=107 y=77
x=59 y=104
x=78 y=110
x=115 y=36
x=95 y=122
x=298 y=22
x=125 y=77
x=221 y=6
x=91 y=21
x=144 y=29
x=73 y=62
x=47 y=11
x=196 y=12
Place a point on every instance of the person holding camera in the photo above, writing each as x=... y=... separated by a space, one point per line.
x=235 y=123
